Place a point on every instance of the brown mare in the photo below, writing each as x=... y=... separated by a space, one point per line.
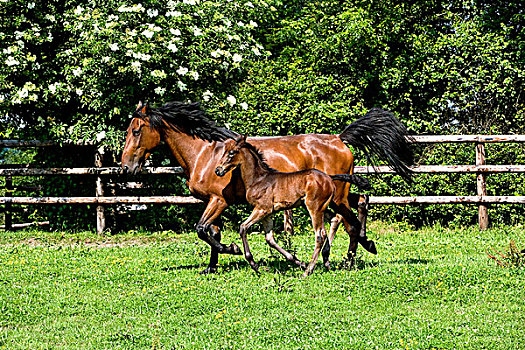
x=196 y=143
x=270 y=191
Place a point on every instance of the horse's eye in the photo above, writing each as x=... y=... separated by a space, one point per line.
x=136 y=132
x=231 y=153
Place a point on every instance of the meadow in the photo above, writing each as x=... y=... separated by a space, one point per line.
x=432 y=288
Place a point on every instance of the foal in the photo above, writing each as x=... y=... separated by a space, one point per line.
x=271 y=191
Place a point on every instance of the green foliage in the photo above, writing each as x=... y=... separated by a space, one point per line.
x=432 y=288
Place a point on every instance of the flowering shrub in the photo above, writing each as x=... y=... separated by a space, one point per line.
x=78 y=70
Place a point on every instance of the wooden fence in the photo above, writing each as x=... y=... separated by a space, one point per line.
x=481 y=169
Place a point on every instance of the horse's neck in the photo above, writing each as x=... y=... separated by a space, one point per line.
x=252 y=171
x=185 y=148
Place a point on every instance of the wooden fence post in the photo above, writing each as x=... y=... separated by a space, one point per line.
x=99 y=192
x=8 y=214
x=483 y=217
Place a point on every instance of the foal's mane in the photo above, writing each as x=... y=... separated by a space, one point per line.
x=189 y=117
x=259 y=156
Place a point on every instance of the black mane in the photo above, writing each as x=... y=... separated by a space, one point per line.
x=189 y=117
x=260 y=157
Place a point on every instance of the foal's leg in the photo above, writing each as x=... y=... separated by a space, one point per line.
x=255 y=216
x=214 y=208
x=320 y=237
x=288 y=222
x=270 y=239
x=334 y=225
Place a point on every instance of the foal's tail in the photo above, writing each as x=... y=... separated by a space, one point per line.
x=380 y=135
x=360 y=181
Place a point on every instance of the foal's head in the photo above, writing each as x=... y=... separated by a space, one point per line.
x=141 y=139
x=231 y=157
x=236 y=152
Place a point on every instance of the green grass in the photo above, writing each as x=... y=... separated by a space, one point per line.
x=430 y=288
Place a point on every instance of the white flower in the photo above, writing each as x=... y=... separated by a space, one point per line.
x=152 y=12
x=31 y=5
x=172 y=47
x=197 y=31
x=189 y=2
x=79 y=92
x=23 y=93
x=181 y=86
x=207 y=95
x=173 y=14
x=249 y=4
x=106 y=59
x=77 y=71
x=101 y=136
x=244 y=105
x=160 y=91
x=194 y=75
x=254 y=24
x=216 y=53
x=53 y=87
x=231 y=100
x=237 y=58
x=113 y=47
x=182 y=71
x=240 y=24
x=78 y=10
x=148 y=33
x=11 y=61
x=175 y=31
x=158 y=74
x=256 y=51
x=135 y=65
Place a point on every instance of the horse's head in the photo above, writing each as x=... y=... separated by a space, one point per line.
x=142 y=137
x=230 y=158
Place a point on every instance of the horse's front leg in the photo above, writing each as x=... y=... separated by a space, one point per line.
x=214 y=208
x=270 y=239
x=255 y=216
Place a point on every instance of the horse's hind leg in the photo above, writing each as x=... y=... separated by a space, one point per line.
x=288 y=222
x=334 y=225
x=270 y=239
x=320 y=237
x=361 y=203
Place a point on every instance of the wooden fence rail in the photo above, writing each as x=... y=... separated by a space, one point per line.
x=480 y=168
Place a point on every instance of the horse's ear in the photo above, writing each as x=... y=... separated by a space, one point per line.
x=145 y=108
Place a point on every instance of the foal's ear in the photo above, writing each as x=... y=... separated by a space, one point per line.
x=241 y=139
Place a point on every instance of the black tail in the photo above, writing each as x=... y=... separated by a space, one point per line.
x=380 y=135
x=360 y=181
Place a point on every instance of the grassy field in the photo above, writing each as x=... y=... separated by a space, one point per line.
x=433 y=288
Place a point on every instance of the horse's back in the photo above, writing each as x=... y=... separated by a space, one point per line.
x=324 y=152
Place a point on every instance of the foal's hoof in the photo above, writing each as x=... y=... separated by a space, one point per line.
x=235 y=249
x=369 y=246
x=209 y=270
x=327 y=265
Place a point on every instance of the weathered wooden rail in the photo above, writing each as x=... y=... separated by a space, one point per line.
x=480 y=168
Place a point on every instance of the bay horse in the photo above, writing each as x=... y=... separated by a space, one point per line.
x=270 y=191
x=197 y=144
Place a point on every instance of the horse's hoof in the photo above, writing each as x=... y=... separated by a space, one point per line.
x=209 y=270
x=327 y=265
x=255 y=268
x=235 y=249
